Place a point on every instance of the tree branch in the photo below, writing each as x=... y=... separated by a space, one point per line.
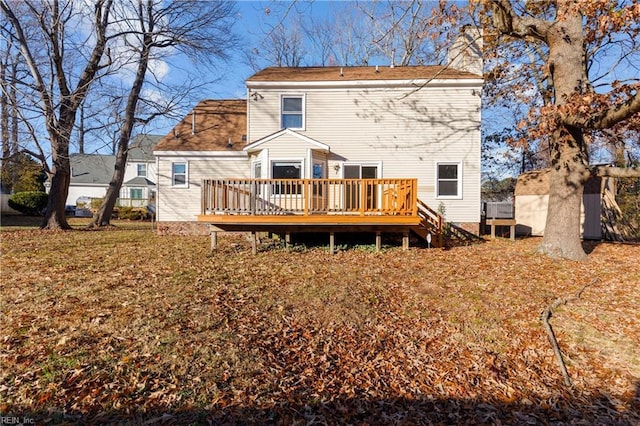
x=606 y=118
x=617 y=172
x=546 y=316
x=507 y=22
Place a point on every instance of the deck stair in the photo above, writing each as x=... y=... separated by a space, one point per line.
x=431 y=222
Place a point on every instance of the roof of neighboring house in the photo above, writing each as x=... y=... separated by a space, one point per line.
x=359 y=73
x=98 y=168
x=139 y=181
x=213 y=125
x=141 y=148
x=92 y=168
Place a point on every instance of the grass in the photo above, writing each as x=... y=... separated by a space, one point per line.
x=124 y=325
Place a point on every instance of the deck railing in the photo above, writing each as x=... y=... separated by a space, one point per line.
x=310 y=196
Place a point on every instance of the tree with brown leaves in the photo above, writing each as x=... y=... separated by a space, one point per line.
x=567 y=38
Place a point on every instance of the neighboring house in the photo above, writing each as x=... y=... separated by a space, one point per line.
x=91 y=174
x=318 y=148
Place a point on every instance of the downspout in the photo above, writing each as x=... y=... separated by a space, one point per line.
x=157 y=215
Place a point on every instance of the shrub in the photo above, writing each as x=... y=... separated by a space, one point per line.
x=29 y=203
x=130 y=213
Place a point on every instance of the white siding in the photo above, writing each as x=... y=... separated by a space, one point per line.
x=408 y=132
x=131 y=171
x=92 y=191
x=183 y=204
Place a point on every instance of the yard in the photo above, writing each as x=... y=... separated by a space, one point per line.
x=124 y=325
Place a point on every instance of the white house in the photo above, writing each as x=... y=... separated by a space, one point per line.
x=327 y=123
x=91 y=174
x=330 y=149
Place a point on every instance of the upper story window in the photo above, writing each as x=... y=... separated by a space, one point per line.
x=449 y=180
x=179 y=174
x=292 y=112
x=142 y=169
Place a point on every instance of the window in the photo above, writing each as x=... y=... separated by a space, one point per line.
x=257 y=170
x=179 y=174
x=135 y=193
x=142 y=170
x=286 y=170
x=292 y=112
x=449 y=180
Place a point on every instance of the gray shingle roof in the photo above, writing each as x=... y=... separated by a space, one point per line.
x=92 y=168
x=141 y=147
x=139 y=181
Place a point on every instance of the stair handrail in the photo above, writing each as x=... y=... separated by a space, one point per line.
x=433 y=219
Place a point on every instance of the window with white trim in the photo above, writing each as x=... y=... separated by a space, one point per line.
x=292 y=112
x=449 y=180
x=286 y=170
x=179 y=174
x=142 y=169
x=135 y=193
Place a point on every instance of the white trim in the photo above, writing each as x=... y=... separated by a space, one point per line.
x=301 y=96
x=287 y=160
x=409 y=84
x=236 y=154
x=459 y=189
x=186 y=175
x=253 y=145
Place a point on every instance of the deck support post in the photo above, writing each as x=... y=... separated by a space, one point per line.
x=214 y=240
x=378 y=241
x=405 y=241
x=332 y=242
x=254 y=242
x=287 y=240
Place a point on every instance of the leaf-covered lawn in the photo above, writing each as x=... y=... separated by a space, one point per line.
x=125 y=325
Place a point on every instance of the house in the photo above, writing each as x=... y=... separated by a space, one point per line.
x=330 y=149
x=91 y=174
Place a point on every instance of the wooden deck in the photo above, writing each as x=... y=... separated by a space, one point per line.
x=285 y=206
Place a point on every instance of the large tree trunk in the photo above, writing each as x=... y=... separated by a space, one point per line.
x=569 y=162
x=568 y=174
x=55 y=216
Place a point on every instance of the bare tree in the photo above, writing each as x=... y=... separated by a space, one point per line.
x=197 y=29
x=60 y=92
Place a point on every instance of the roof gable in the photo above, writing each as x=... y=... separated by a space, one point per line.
x=213 y=125
x=256 y=145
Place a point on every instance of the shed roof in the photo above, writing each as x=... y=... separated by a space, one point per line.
x=213 y=125
x=315 y=74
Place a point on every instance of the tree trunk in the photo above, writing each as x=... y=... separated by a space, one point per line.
x=55 y=216
x=567 y=177
x=569 y=162
x=103 y=216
